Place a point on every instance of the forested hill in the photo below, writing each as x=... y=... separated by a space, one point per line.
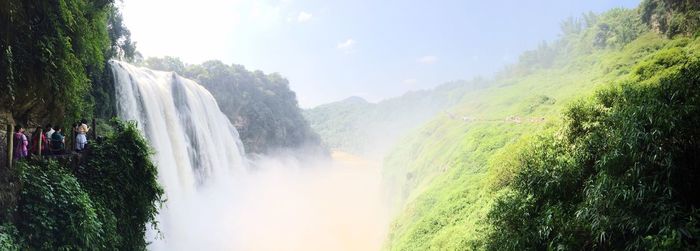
x=590 y=142
x=261 y=106
x=370 y=129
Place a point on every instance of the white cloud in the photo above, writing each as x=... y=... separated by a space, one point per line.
x=427 y=60
x=410 y=81
x=304 y=16
x=346 y=46
x=224 y=23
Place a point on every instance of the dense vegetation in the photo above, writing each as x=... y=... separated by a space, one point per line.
x=54 y=212
x=622 y=173
x=357 y=126
x=103 y=202
x=261 y=106
x=537 y=165
x=52 y=69
x=672 y=17
x=51 y=54
x=119 y=174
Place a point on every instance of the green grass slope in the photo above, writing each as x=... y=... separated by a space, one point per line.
x=446 y=175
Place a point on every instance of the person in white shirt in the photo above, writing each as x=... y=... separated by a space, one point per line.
x=81 y=139
x=49 y=130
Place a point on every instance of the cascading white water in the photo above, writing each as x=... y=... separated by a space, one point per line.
x=214 y=204
x=194 y=141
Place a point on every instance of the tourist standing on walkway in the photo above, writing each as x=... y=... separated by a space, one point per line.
x=49 y=130
x=39 y=138
x=21 y=144
x=58 y=141
x=81 y=139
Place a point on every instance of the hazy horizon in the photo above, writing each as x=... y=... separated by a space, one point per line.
x=331 y=51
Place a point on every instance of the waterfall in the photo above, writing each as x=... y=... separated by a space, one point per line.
x=215 y=203
x=194 y=141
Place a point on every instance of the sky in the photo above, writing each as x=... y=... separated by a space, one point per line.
x=330 y=50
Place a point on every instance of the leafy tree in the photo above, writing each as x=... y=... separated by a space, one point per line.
x=672 y=17
x=166 y=63
x=54 y=212
x=52 y=52
x=614 y=28
x=572 y=26
x=121 y=46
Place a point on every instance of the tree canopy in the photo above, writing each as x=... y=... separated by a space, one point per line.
x=53 y=52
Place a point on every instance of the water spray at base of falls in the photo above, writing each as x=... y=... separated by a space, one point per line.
x=214 y=203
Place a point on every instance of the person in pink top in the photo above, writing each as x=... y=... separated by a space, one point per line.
x=21 y=143
x=36 y=138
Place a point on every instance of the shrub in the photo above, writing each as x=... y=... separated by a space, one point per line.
x=8 y=239
x=120 y=175
x=53 y=212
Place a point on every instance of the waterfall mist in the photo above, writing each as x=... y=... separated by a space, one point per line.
x=218 y=200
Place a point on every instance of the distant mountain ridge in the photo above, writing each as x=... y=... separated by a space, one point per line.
x=358 y=126
x=354 y=99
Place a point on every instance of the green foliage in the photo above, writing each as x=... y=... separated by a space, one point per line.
x=8 y=238
x=444 y=197
x=672 y=17
x=591 y=33
x=261 y=106
x=54 y=212
x=119 y=175
x=52 y=52
x=105 y=203
x=620 y=175
x=448 y=173
x=103 y=95
x=166 y=63
x=121 y=46
x=616 y=28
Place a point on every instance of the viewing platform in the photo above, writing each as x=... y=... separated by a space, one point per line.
x=37 y=150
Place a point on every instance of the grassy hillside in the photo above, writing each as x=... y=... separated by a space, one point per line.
x=620 y=173
x=447 y=174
